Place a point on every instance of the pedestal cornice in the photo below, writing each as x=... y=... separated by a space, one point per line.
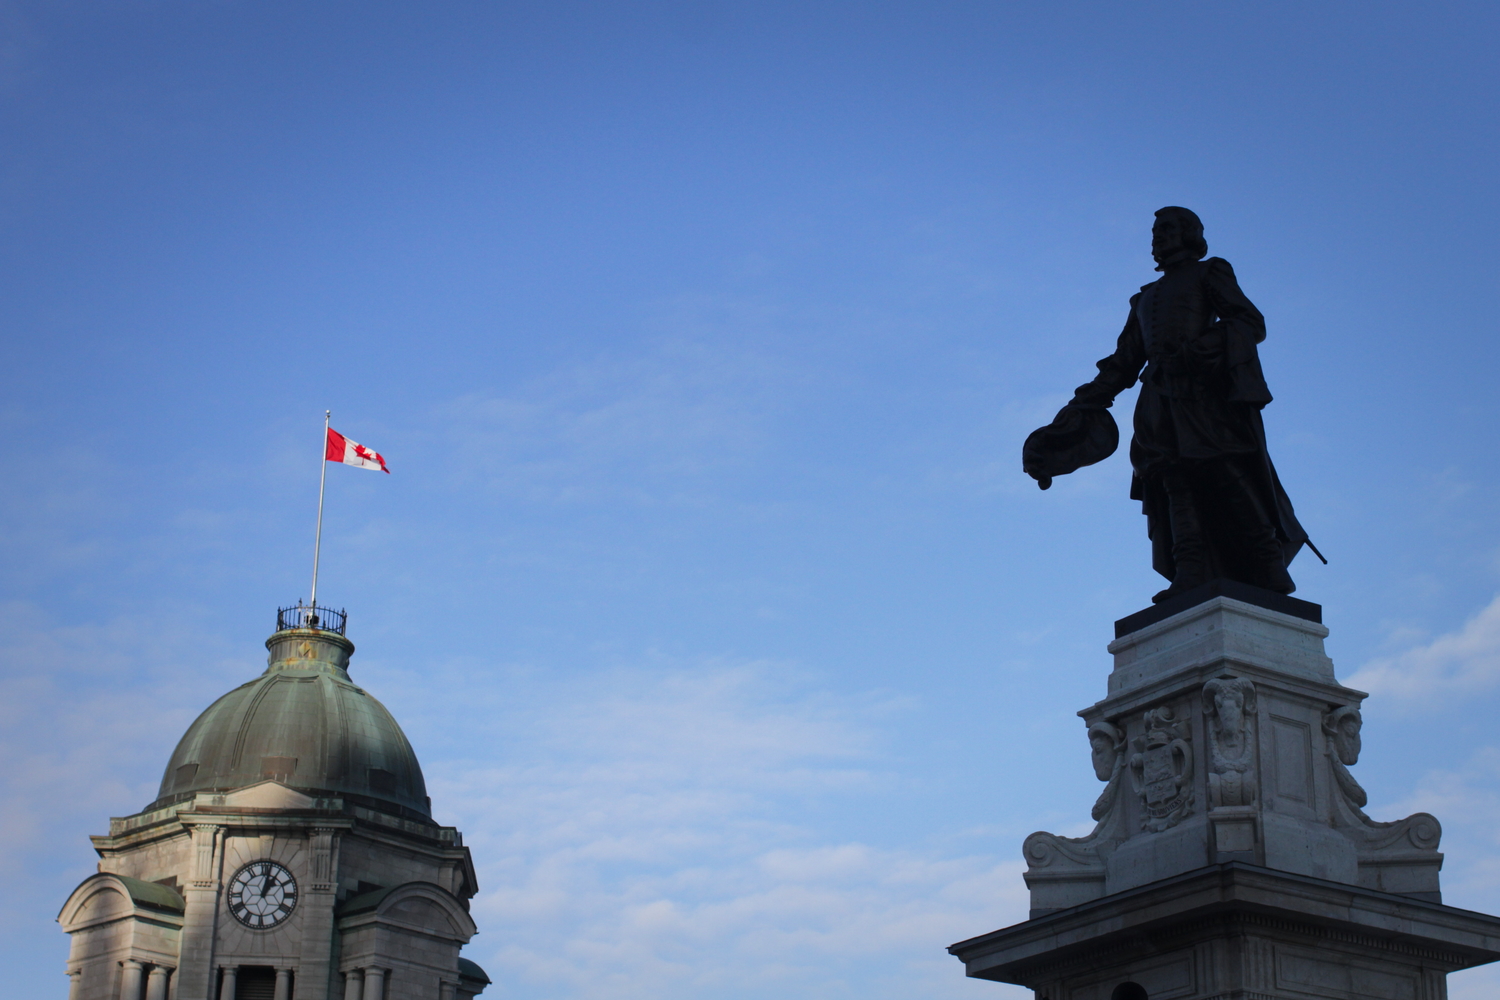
x=1200 y=671
x=1170 y=913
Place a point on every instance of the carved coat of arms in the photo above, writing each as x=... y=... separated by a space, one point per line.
x=1162 y=769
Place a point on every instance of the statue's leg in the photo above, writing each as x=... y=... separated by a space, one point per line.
x=1253 y=527
x=1189 y=546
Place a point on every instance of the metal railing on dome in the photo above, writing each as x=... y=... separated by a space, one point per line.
x=311 y=616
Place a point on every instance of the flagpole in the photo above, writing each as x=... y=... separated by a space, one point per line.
x=322 y=480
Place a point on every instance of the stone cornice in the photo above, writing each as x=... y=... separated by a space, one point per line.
x=1168 y=685
x=1245 y=897
x=174 y=821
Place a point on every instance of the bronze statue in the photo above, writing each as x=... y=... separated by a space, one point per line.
x=1214 y=506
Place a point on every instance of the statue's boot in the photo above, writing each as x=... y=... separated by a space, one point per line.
x=1263 y=551
x=1189 y=547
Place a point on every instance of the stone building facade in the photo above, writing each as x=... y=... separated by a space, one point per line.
x=291 y=854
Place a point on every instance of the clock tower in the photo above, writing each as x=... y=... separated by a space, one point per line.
x=291 y=853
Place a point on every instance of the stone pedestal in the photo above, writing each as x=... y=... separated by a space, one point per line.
x=1232 y=857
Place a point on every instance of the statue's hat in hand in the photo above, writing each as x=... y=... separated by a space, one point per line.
x=1080 y=434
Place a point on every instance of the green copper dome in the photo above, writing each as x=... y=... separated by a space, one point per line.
x=305 y=724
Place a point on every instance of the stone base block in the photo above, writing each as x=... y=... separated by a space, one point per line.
x=1235 y=931
x=1225 y=736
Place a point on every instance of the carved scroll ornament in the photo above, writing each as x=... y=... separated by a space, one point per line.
x=1081 y=854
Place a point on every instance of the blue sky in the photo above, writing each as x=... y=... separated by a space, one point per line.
x=701 y=339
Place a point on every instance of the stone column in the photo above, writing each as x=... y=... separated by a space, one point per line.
x=156 y=986
x=227 y=986
x=283 y=984
x=75 y=984
x=354 y=982
x=130 y=980
x=374 y=984
x=315 y=963
x=446 y=990
x=199 y=919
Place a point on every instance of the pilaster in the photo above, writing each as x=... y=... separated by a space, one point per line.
x=315 y=969
x=200 y=916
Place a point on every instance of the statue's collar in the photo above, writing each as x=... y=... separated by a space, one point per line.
x=1177 y=260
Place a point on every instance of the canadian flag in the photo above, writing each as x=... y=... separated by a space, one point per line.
x=341 y=449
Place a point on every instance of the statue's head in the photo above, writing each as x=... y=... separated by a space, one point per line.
x=1177 y=236
x=1105 y=744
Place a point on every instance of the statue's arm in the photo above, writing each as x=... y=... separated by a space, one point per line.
x=1243 y=327
x=1083 y=432
x=1119 y=371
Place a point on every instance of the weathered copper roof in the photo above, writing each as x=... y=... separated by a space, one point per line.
x=305 y=724
x=153 y=894
x=471 y=970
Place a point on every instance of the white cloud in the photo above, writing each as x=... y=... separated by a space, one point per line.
x=815 y=922
x=657 y=832
x=1439 y=673
x=1482 y=983
x=666 y=836
x=1455 y=664
x=1466 y=800
x=87 y=721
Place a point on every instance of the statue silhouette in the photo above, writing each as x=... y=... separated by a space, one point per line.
x=1214 y=506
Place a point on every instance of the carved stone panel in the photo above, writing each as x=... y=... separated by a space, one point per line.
x=1309 y=972
x=1291 y=742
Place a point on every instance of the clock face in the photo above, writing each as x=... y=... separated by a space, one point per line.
x=262 y=894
